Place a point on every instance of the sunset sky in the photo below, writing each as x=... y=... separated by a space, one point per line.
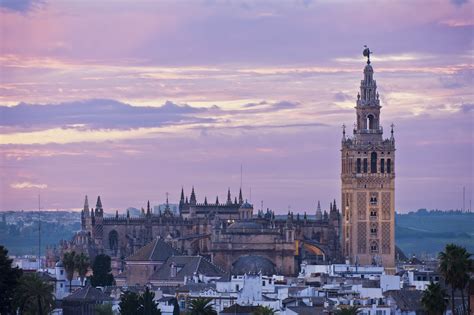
x=133 y=99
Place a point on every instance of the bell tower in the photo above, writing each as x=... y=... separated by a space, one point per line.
x=368 y=182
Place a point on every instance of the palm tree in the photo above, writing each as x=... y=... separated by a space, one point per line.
x=34 y=296
x=434 y=299
x=264 y=310
x=201 y=306
x=82 y=265
x=69 y=265
x=351 y=310
x=147 y=305
x=455 y=265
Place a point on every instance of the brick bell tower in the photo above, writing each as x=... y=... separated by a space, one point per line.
x=368 y=183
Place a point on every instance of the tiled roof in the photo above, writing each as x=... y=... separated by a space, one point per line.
x=186 y=266
x=306 y=310
x=88 y=293
x=407 y=300
x=156 y=250
x=240 y=309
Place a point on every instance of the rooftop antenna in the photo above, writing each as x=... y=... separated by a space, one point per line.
x=39 y=232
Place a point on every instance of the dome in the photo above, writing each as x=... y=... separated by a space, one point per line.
x=368 y=68
x=59 y=264
x=253 y=264
x=248 y=225
x=246 y=205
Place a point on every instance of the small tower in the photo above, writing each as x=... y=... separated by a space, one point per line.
x=181 y=200
x=229 y=199
x=192 y=199
x=241 y=199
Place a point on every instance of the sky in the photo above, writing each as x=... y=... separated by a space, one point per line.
x=131 y=100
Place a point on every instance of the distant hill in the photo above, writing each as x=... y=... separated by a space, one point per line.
x=427 y=232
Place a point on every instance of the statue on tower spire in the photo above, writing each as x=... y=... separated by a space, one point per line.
x=367 y=53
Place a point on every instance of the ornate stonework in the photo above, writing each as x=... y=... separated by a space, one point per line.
x=368 y=183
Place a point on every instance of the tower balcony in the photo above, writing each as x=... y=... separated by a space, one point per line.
x=379 y=130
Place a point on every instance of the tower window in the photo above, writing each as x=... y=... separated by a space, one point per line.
x=365 y=165
x=389 y=166
x=358 y=166
x=373 y=229
x=374 y=248
x=382 y=166
x=373 y=201
x=370 y=122
x=373 y=213
x=373 y=162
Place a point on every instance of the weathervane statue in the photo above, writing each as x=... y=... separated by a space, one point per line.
x=367 y=53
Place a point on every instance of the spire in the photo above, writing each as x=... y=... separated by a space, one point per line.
x=186 y=202
x=86 y=207
x=205 y=201
x=192 y=199
x=181 y=200
x=334 y=205
x=217 y=200
x=99 y=203
x=241 y=199
x=148 y=210
x=319 y=214
x=235 y=200
x=229 y=199
x=116 y=214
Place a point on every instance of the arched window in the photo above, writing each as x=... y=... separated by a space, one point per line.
x=382 y=166
x=358 y=166
x=370 y=121
x=389 y=166
x=365 y=165
x=374 y=247
x=113 y=240
x=373 y=162
x=373 y=229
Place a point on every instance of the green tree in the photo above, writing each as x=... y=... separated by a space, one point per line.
x=9 y=280
x=104 y=309
x=147 y=305
x=129 y=303
x=201 y=306
x=34 y=296
x=264 y=310
x=69 y=266
x=455 y=265
x=351 y=310
x=434 y=299
x=82 y=265
x=101 y=271
x=176 y=310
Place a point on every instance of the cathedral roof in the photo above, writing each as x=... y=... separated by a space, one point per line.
x=253 y=264
x=186 y=266
x=247 y=225
x=246 y=205
x=88 y=293
x=156 y=250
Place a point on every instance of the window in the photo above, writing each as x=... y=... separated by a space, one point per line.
x=373 y=229
x=374 y=248
x=236 y=287
x=61 y=272
x=358 y=166
x=373 y=162
x=379 y=312
x=389 y=166
x=382 y=166
x=373 y=213
x=373 y=201
x=365 y=165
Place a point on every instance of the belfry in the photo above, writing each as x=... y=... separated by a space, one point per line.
x=368 y=182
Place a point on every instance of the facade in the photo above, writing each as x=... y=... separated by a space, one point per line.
x=220 y=232
x=368 y=183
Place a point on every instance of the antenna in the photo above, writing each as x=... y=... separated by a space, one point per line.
x=39 y=232
x=463 y=198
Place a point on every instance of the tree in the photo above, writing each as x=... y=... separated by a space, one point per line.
x=104 y=309
x=101 y=271
x=34 y=296
x=351 y=310
x=147 y=305
x=9 y=280
x=264 y=310
x=69 y=266
x=201 y=306
x=82 y=265
x=129 y=303
x=176 y=310
x=455 y=265
x=434 y=299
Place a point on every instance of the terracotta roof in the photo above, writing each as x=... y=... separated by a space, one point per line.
x=156 y=250
x=88 y=293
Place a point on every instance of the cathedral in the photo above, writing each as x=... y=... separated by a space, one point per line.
x=368 y=182
x=227 y=233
